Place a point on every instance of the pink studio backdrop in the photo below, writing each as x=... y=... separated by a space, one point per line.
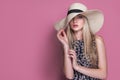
x=29 y=49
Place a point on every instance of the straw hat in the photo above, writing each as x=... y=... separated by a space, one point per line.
x=95 y=17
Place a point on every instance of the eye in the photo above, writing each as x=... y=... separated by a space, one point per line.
x=80 y=16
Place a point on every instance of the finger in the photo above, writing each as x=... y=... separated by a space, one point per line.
x=60 y=31
x=64 y=34
x=71 y=56
x=70 y=50
x=59 y=34
x=71 y=53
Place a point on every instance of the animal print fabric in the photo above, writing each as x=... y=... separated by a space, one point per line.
x=78 y=46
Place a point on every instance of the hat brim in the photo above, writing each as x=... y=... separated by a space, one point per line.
x=95 y=18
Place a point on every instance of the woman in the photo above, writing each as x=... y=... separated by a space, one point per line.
x=84 y=51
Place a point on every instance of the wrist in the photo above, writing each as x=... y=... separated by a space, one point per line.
x=76 y=67
x=65 y=46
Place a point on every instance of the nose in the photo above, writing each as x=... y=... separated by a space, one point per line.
x=74 y=20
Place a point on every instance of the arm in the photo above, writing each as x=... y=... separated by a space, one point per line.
x=68 y=69
x=101 y=72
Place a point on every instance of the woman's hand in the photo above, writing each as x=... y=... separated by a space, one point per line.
x=72 y=54
x=61 y=35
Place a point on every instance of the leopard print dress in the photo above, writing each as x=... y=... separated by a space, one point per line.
x=78 y=46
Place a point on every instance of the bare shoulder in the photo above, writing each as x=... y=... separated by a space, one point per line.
x=99 y=39
x=100 y=46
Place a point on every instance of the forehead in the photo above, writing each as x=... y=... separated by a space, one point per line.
x=79 y=15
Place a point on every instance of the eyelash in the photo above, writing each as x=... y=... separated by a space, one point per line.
x=80 y=16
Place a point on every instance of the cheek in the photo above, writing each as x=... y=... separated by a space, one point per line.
x=70 y=24
x=81 y=22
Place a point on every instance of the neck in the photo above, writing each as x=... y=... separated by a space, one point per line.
x=78 y=35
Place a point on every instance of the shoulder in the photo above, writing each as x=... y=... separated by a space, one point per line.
x=99 y=39
x=101 y=49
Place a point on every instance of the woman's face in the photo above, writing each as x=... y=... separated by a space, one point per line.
x=77 y=23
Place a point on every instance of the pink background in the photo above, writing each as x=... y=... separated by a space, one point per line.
x=29 y=49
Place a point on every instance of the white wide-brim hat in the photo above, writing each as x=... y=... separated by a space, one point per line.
x=95 y=17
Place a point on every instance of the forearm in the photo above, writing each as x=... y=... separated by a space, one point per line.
x=68 y=69
x=96 y=73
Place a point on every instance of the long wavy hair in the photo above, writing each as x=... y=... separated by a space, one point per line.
x=90 y=51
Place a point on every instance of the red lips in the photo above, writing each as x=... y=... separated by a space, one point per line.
x=75 y=25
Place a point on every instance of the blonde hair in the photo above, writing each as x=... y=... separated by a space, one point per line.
x=88 y=38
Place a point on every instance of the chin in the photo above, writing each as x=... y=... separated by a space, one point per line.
x=76 y=30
